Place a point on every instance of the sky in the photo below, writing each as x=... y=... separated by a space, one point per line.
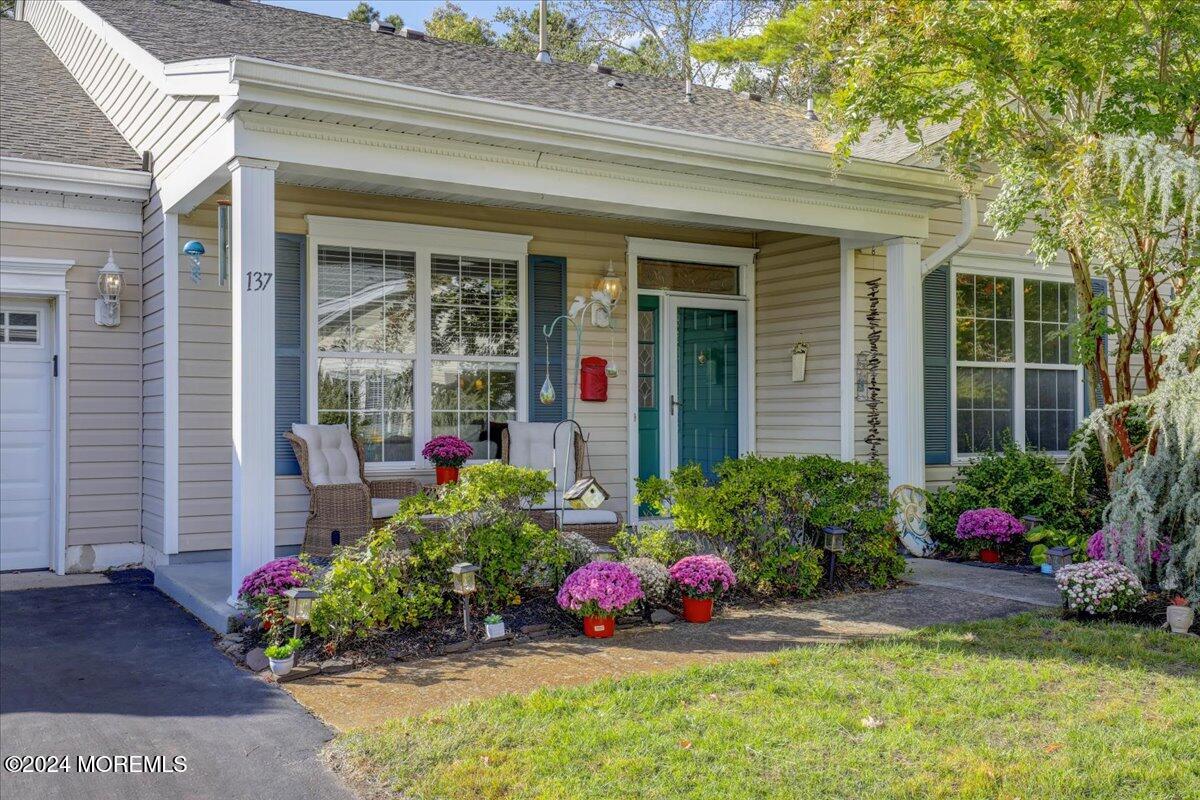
x=414 y=12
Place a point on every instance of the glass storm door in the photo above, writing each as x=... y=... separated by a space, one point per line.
x=649 y=384
x=706 y=396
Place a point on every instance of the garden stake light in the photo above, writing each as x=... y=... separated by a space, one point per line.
x=604 y=553
x=299 y=609
x=1031 y=522
x=835 y=542
x=463 y=577
x=1059 y=557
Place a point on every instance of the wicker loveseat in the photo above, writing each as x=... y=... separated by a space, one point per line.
x=527 y=444
x=344 y=506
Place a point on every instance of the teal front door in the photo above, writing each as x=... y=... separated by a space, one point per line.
x=706 y=401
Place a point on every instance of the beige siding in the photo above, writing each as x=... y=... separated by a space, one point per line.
x=104 y=386
x=796 y=299
x=170 y=129
x=152 y=346
x=588 y=243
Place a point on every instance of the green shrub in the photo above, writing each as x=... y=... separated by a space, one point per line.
x=1015 y=481
x=764 y=514
x=486 y=526
x=373 y=585
x=1044 y=537
x=794 y=572
x=653 y=542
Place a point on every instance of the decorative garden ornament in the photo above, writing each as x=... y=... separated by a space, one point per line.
x=914 y=530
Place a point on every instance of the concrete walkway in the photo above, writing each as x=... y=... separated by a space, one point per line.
x=371 y=696
x=96 y=667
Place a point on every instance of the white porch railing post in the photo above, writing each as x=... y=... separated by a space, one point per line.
x=252 y=247
x=905 y=368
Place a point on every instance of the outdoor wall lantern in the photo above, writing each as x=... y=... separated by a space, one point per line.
x=1059 y=557
x=194 y=250
x=463 y=577
x=611 y=284
x=835 y=542
x=109 y=283
x=299 y=606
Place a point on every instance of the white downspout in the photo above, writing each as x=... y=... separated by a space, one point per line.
x=970 y=222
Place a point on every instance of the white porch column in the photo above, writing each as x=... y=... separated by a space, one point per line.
x=905 y=369
x=252 y=247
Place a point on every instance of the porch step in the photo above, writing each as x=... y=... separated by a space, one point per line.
x=202 y=589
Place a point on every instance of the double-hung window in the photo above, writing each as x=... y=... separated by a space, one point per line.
x=417 y=333
x=1014 y=376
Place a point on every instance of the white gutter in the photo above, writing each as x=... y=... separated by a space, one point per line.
x=55 y=176
x=970 y=222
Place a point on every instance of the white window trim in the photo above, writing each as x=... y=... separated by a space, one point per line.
x=1019 y=271
x=423 y=241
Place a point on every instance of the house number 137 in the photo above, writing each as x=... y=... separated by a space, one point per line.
x=258 y=281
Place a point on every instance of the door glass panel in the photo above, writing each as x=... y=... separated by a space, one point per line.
x=648 y=376
x=708 y=386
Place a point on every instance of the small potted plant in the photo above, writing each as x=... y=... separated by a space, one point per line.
x=494 y=624
x=599 y=591
x=701 y=580
x=991 y=526
x=1180 y=615
x=447 y=453
x=282 y=657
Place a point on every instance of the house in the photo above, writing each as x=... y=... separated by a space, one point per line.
x=387 y=221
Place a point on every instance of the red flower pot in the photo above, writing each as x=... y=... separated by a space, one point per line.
x=446 y=475
x=989 y=556
x=599 y=627
x=695 y=610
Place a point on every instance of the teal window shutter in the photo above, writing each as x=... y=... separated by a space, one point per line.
x=935 y=330
x=290 y=367
x=1092 y=397
x=547 y=300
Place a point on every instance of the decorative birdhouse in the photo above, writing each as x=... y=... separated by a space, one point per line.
x=585 y=493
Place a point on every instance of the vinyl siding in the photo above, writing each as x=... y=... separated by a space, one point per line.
x=104 y=384
x=796 y=299
x=169 y=128
x=588 y=243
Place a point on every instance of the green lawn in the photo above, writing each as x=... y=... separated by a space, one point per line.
x=1027 y=707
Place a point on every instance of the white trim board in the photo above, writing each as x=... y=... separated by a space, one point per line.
x=54 y=176
x=846 y=352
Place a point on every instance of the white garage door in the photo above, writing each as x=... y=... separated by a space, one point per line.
x=26 y=434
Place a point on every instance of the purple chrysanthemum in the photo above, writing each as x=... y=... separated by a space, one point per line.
x=992 y=524
x=600 y=589
x=447 y=451
x=703 y=577
x=274 y=578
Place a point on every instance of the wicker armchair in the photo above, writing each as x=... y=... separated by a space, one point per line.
x=344 y=508
x=599 y=525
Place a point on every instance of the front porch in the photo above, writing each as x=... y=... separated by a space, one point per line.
x=272 y=346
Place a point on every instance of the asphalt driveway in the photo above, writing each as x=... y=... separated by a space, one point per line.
x=116 y=672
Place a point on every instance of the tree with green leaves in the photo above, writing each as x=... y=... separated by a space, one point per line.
x=366 y=13
x=567 y=36
x=656 y=36
x=451 y=22
x=1086 y=111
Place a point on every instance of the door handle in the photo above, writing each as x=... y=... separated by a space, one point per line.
x=674 y=403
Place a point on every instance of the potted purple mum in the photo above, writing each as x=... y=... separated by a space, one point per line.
x=701 y=579
x=598 y=592
x=447 y=453
x=990 y=526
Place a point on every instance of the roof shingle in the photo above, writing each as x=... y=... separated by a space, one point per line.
x=182 y=30
x=45 y=115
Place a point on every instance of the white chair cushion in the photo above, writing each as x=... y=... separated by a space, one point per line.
x=332 y=458
x=588 y=516
x=531 y=445
x=384 y=507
